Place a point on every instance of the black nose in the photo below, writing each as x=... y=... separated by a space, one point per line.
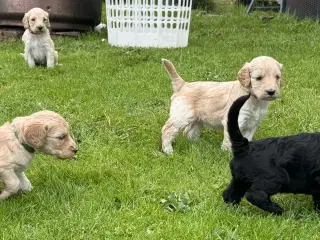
x=40 y=28
x=271 y=92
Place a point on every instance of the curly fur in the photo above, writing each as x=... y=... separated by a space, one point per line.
x=262 y=168
x=194 y=104
x=44 y=131
x=39 y=47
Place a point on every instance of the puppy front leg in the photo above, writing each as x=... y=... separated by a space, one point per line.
x=50 y=59
x=30 y=61
x=25 y=184
x=56 y=57
x=226 y=144
x=248 y=133
x=12 y=184
x=235 y=192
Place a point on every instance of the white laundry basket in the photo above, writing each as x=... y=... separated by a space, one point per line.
x=148 y=23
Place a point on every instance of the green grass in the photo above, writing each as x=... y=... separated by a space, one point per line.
x=116 y=101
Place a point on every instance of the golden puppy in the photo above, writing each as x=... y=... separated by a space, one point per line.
x=44 y=131
x=39 y=47
x=196 y=103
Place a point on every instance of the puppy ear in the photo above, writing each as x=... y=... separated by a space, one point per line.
x=244 y=75
x=47 y=22
x=35 y=133
x=25 y=21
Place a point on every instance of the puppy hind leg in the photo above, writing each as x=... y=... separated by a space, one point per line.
x=316 y=201
x=169 y=133
x=170 y=130
x=315 y=191
x=262 y=200
x=12 y=184
x=193 y=131
x=181 y=115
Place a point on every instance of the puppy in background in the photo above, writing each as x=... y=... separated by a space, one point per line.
x=194 y=104
x=44 y=131
x=262 y=168
x=39 y=47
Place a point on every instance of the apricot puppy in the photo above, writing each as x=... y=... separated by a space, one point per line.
x=39 y=47
x=43 y=131
x=194 y=104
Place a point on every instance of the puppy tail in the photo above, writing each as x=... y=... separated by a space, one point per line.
x=177 y=81
x=238 y=142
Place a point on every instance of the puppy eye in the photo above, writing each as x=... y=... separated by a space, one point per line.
x=258 y=78
x=278 y=77
x=44 y=19
x=61 y=137
x=33 y=19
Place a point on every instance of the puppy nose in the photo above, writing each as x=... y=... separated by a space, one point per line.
x=271 y=92
x=74 y=148
x=40 y=28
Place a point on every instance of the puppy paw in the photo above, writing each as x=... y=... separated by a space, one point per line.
x=275 y=209
x=168 y=150
x=99 y=27
x=27 y=187
x=4 y=195
x=278 y=211
x=227 y=198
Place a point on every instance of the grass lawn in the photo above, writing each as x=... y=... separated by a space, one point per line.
x=116 y=101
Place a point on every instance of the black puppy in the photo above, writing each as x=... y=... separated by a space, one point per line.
x=265 y=167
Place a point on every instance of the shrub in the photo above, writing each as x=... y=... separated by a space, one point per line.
x=207 y=5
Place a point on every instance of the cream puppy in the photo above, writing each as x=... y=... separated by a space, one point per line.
x=44 y=131
x=39 y=47
x=196 y=103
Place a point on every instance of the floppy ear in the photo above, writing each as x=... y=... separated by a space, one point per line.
x=47 y=22
x=35 y=133
x=25 y=21
x=244 y=75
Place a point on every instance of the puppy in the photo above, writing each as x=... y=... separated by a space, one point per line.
x=196 y=103
x=265 y=167
x=44 y=131
x=39 y=47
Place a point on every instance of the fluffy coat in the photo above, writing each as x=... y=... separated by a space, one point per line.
x=262 y=168
x=194 y=104
x=44 y=131
x=39 y=47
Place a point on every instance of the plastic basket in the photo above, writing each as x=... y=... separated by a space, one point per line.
x=148 y=23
